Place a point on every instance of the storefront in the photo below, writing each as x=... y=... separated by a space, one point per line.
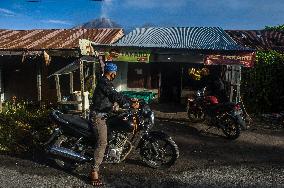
x=161 y=58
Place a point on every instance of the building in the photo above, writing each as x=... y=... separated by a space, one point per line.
x=158 y=59
x=27 y=57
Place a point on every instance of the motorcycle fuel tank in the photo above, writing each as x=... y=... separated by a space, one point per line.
x=120 y=124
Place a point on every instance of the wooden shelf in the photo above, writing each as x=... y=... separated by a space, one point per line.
x=70 y=102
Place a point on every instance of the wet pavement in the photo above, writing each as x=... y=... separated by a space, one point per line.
x=207 y=159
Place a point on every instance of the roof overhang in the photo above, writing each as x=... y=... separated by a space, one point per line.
x=50 y=52
x=178 y=38
x=102 y=47
x=74 y=66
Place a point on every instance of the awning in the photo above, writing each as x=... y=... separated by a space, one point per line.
x=74 y=66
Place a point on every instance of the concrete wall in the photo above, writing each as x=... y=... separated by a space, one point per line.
x=120 y=82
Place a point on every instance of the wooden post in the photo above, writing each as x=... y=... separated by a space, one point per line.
x=235 y=81
x=39 y=88
x=1 y=90
x=58 y=91
x=239 y=84
x=148 y=78
x=231 y=83
x=71 y=83
x=82 y=88
x=94 y=76
x=159 y=85
x=102 y=64
x=181 y=82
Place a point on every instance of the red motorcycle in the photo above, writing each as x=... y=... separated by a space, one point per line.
x=228 y=117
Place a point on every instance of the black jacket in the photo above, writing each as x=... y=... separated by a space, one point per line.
x=215 y=86
x=105 y=95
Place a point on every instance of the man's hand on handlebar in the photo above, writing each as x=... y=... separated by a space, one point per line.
x=135 y=103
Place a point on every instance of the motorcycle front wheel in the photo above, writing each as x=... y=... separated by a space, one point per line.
x=195 y=115
x=159 y=152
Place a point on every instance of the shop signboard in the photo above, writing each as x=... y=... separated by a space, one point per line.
x=244 y=59
x=128 y=56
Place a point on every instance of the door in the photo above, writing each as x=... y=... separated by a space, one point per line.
x=170 y=82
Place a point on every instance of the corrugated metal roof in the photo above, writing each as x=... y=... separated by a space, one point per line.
x=55 y=38
x=259 y=39
x=197 y=38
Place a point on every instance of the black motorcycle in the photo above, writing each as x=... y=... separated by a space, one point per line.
x=229 y=117
x=72 y=142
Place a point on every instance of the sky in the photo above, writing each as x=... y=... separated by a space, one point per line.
x=228 y=14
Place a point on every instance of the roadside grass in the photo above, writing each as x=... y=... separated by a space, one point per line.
x=22 y=126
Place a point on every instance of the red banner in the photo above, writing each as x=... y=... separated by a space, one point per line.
x=244 y=59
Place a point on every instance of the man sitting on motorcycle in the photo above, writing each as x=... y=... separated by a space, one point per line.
x=214 y=84
x=103 y=99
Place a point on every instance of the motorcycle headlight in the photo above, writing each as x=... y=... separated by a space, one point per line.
x=190 y=99
x=146 y=110
x=199 y=93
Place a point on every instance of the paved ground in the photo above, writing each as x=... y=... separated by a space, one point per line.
x=256 y=159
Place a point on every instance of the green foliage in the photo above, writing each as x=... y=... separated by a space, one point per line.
x=262 y=85
x=269 y=57
x=22 y=125
x=275 y=28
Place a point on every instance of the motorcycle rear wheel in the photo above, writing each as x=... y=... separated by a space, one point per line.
x=231 y=128
x=62 y=141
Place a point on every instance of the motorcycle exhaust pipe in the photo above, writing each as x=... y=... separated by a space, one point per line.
x=67 y=153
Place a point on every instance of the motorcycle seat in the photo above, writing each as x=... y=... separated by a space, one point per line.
x=227 y=105
x=75 y=120
x=222 y=106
